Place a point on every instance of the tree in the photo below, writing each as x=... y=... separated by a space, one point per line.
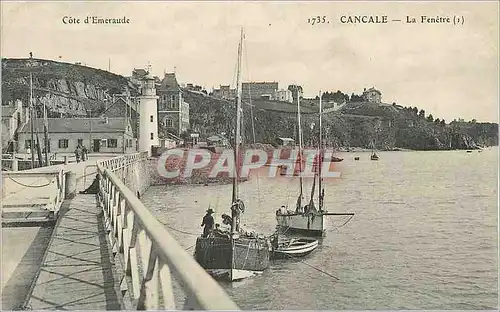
x=442 y=123
x=295 y=89
x=415 y=110
x=436 y=121
x=430 y=118
x=356 y=98
x=185 y=136
x=421 y=113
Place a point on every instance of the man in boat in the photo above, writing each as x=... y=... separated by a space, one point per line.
x=208 y=222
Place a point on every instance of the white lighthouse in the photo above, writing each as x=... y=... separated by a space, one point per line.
x=148 y=110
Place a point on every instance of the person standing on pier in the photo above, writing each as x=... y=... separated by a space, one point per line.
x=85 y=155
x=208 y=222
x=78 y=153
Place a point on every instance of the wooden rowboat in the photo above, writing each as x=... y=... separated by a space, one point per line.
x=293 y=247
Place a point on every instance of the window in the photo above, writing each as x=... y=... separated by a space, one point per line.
x=129 y=143
x=151 y=118
x=63 y=143
x=27 y=144
x=172 y=101
x=169 y=123
x=152 y=136
x=112 y=143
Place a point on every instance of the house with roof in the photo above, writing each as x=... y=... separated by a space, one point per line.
x=123 y=105
x=285 y=142
x=224 y=92
x=173 y=111
x=218 y=140
x=372 y=95
x=12 y=120
x=99 y=135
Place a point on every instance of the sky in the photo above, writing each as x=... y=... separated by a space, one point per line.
x=448 y=70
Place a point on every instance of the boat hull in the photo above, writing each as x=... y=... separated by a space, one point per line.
x=300 y=249
x=232 y=259
x=307 y=224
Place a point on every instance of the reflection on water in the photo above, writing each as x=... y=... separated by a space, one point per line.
x=424 y=235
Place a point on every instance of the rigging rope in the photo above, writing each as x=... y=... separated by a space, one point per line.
x=253 y=130
x=183 y=232
x=31 y=185
x=338 y=227
x=317 y=269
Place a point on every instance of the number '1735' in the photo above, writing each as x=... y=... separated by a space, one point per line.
x=317 y=20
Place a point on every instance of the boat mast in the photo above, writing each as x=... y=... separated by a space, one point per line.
x=32 y=145
x=46 y=134
x=320 y=162
x=234 y=213
x=300 y=144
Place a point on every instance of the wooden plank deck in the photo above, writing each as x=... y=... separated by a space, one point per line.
x=78 y=272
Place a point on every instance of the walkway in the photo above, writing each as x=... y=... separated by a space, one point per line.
x=77 y=273
x=74 y=271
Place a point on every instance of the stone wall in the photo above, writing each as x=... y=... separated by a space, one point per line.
x=135 y=175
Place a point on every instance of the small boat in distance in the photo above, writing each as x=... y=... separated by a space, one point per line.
x=336 y=159
x=336 y=148
x=374 y=155
x=285 y=248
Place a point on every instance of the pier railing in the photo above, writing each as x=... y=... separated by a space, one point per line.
x=149 y=253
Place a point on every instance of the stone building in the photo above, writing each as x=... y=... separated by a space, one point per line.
x=100 y=135
x=283 y=96
x=259 y=90
x=255 y=90
x=173 y=111
x=224 y=92
x=372 y=95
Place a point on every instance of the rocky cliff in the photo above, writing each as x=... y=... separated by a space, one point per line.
x=65 y=89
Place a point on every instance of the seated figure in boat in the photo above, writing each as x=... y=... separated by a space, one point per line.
x=218 y=231
x=282 y=211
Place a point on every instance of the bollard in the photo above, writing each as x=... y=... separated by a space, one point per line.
x=70 y=181
x=15 y=166
x=66 y=161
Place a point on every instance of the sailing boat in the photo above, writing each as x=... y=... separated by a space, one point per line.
x=336 y=147
x=374 y=155
x=308 y=220
x=234 y=254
